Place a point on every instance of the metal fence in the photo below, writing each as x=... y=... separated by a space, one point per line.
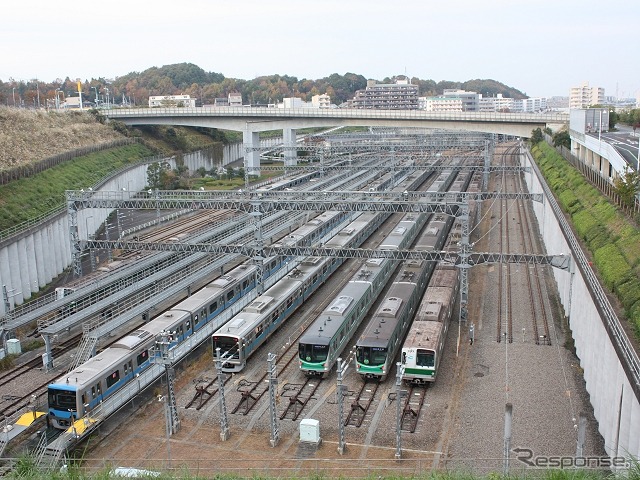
x=594 y=177
x=25 y=171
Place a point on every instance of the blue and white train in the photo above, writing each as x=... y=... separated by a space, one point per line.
x=239 y=338
x=79 y=391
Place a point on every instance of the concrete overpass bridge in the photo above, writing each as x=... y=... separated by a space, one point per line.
x=252 y=120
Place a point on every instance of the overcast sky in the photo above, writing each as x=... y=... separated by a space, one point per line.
x=539 y=47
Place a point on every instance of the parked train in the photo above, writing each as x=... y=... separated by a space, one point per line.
x=239 y=338
x=103 y=375
x=379 y=343
x=423 y=347
x=323 y=342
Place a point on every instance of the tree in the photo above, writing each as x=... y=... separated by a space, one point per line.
x=562 y=139
x=154 y=173
x=536 y=136
x=627 y=186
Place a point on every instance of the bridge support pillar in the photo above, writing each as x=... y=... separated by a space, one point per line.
x=289 y=140
x=251 y=142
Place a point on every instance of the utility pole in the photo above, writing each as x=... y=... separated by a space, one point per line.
x=224 y=421
x=273 y=390
x=342 y=369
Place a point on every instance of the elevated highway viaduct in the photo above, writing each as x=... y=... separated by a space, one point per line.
x=251 y=120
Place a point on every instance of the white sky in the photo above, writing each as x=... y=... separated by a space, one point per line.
x=541 y=47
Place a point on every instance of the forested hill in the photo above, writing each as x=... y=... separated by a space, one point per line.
x=190 y=79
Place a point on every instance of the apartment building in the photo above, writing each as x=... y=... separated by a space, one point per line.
x=584 y=96
x=401 y=95
x=321 y=101
x=470 y=100
x=172 y=101
x=441 y=104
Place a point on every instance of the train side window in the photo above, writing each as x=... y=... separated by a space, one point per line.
x=180 y=330
x=83 y=397
x=142 y=357
x=259 y=331
x=93 y=392
x=189 y=324
x=229 y=295
x=113 y=378
x=125 y=367
x=99 y=388
x=213 y=307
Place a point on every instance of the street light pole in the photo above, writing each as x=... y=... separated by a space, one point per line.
x=96 y=99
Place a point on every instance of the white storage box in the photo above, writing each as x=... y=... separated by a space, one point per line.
x=310 y=430
x=13 y=347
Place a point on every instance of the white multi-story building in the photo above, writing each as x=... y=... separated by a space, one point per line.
x=441 y=104
x=470 y=100
x=321 y=101
x=585 y=96
x=235 y=99
x=495 y=104
x=401 y=95
x=172 y=101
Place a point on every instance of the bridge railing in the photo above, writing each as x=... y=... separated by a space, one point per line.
x=547 y=117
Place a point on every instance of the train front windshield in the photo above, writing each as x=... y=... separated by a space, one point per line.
x=426 y=358
x=62 y=399
x=371 y=355
x=228 y=345
x=313 y=353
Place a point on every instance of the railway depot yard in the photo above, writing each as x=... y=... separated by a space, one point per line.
x=514 y=349
x=460 y=425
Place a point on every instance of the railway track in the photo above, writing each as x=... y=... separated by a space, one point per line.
x=251 y=391
x=361 y=403
x=299 y=396
x=517 y=228
x=533 y=276
x=413 y=404
x=505 y=298
x=203 y=395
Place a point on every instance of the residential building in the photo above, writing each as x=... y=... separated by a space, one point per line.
x=293 y=102
x=585 y=96
x=401 y=95
x=441 y=104
x=172 y=101
x=470 y=100
x=321 y=101
x=495 y=104
x=558 y=103
x=235 y=99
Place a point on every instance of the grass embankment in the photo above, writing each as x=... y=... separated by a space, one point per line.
x=31 y=135
x=613 y=242
x=25 y=468
x=30 y=197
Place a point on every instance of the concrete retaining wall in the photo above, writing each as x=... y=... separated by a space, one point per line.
x=33 y=258
x=607 y=371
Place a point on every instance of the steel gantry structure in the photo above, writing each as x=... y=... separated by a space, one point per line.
x=257 y=203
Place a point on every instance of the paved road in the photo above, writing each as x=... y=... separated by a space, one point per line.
x=625 y=141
